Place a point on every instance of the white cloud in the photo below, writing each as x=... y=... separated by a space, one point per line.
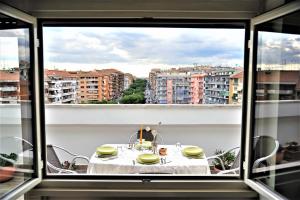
x=137 y=50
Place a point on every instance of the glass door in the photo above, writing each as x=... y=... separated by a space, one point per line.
x=19 y=127
x=274 y=121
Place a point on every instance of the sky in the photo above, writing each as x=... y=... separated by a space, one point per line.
x=278 y=48
x=14 y=46
x=137 y=50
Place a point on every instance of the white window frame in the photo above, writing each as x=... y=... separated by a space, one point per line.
x=28 y=185
x=268 y=16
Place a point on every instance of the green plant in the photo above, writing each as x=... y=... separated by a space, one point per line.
x=11 y=156
x=66 y=165
x=228 y=158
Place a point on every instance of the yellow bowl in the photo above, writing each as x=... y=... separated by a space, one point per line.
x=148 y=158
x=193 y=151
x=106 y=150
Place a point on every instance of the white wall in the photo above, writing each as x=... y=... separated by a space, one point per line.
x=84 y=139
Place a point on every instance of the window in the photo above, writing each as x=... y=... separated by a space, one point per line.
x=276 y=140
x=17 y=149
x=144 y=66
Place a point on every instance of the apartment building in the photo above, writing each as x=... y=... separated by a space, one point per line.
x=90 y=86
x=217 y=87
x=113 y=81
x=278 y=84
x=128 y=80
x=60 y=87
x=236 y=88
x=9 y=86
x=197 y=88
x=172 y=88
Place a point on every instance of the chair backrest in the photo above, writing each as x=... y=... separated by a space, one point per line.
x=52 y=158
x=264 y=146
x=236 y=162
x=147 y=135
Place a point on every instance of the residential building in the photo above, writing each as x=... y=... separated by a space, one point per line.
x=91 y=86
x=113 y=83
x=61 y=87
x=278 y=84
x=128 y=80
x=172 y=88
x=197 y=88
x=9 y=86
x=217 y=87
x=236 y=88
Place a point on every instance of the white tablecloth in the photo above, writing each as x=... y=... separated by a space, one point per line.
x=123 y=164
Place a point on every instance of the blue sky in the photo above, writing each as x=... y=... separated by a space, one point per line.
x=138 y=50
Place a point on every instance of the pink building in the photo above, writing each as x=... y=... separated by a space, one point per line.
x=169 y=91
x=197 y=88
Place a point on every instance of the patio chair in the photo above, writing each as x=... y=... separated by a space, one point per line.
x=54 y=165
x=235 y=167
x=265 y=149
x=19 y=146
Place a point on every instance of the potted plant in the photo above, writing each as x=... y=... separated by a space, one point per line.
x=7 y=168
x=292 y=151
x=228 y=158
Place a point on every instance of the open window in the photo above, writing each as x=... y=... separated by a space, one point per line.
x=274 y=137
x=19 y=128
x=110 y=83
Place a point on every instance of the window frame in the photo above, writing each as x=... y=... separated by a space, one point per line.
x=35 y=102
x=253 y=45
x=144 y=22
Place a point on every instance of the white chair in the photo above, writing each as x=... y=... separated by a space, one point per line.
x=265 y=149
x=54 y=165
x=235 y=167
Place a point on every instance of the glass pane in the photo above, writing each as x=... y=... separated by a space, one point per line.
x=276 y=142
x=16 y=137
x=181 y=84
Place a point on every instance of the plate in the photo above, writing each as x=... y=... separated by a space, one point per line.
x=106 y=150
x=200 y=156
x=147 y=163
x=192 y=151
x=148 y=158
x=145 y=145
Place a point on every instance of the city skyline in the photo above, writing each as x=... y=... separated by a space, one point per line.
x=138 y=50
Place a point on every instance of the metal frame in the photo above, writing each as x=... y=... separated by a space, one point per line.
x=75 y=156
x=222 y=163
x=29 y=184
x=271 y=15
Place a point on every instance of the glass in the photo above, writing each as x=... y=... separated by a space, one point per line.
x=16 y=134
x=276 y=141
x=90 y=67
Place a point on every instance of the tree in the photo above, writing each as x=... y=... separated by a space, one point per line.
x=135 y=93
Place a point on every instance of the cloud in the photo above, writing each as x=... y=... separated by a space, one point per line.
x=278 y=48
x=142 y=46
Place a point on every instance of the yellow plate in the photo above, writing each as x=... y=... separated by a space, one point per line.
x=145 y=145
x=147 y=163
x=106 y=150
x=148 y=158
x=193 y=151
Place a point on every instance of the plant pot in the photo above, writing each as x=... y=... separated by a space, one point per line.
x=6 y=173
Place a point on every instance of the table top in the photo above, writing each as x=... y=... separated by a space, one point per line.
x=125 y=163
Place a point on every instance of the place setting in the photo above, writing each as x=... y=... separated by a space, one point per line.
x=106 y=152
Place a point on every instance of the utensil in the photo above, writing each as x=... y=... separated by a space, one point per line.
x=109 y=158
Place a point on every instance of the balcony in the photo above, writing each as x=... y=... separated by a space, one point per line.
x=87 y=125
x=8 y=89
x=188 y=124
x=286 y=92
